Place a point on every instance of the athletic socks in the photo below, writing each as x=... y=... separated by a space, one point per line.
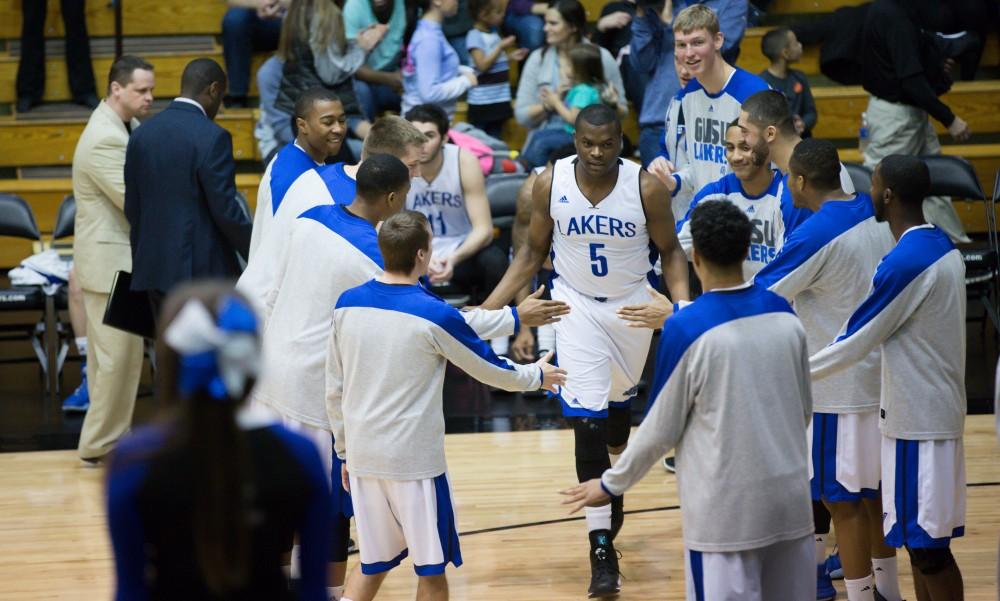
x=598 y=518
x=887 y=578
x=862 y=589
x=820 y=549
x=614 y=458
x=335 y=593
x=81 y=345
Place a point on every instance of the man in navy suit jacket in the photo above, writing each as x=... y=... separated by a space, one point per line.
x=180 y=190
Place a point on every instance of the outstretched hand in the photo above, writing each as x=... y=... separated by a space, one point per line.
x=535 y=311
x=585 y=494
x=650 y=314
x=552 y=376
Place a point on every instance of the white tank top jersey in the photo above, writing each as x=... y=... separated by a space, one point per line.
x=442 y=201
x=599 y=250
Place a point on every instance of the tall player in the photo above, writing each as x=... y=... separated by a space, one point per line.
x=742 y=469
x=825 y=268
x=709 y=102
x=597 y=215
x=915 y=312
x=334 y=184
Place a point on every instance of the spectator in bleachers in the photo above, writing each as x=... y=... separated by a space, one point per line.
x=489 y=102
x=101 y=249
x=782 y=48
x=317 y=53
x=542 y=78
x=31 y=67
x=589 y=86
x=272 y=125
x=455 y=27
x=524 y=19
x=180 y=191
x=614 y=32
x=248 y=26
x=652 y=50
x=432 y=71
x=904 y=74
x=378 y=83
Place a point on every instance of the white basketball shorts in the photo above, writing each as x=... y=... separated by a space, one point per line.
x=923 y=492
x=602 y=356
x=783 y=570
x=844 y=465
x=400 y=518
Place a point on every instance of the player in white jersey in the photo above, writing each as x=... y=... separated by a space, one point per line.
x=451 y=192
x=915 y=312
x=731 y=393
x=825 y=268
x=753 y=187
x=709 y=102
x=327 y=185
x=674 y=144
x=389 y=345
x=597 y=214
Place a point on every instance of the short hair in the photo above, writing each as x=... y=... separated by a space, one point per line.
x=720 y=232
x=694 y=17
x=308 y=99
x=476 y=7
x=399 y=239
x=429 y=113
x=574 y=14
x=122 y=69
x=767 y=108
x=907 y=176
x=774 y=43
x=199 y=74
x=818 y=162
x=381 y=174
x=391 y=135
x=598 y=115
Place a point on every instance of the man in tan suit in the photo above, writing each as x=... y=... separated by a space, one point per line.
x=101 y=248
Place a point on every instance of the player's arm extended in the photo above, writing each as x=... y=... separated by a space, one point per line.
x=478 y=207
x=530 y=257
x=660 y=224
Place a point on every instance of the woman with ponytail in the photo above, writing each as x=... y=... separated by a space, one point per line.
x=204 y=503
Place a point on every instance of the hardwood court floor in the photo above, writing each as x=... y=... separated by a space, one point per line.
x=517 y=543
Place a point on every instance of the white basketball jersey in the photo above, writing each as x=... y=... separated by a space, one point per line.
x=442 y=201
x=601 y=251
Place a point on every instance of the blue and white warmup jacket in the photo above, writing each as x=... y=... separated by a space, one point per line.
x=707 y=117
x=825 y=268
x=389 y=348
x=772 y=215
x=273 y=219
x=330 y=251
x=915 y=311
x=740 y=438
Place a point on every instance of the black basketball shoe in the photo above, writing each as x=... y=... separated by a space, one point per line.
x=604 y=581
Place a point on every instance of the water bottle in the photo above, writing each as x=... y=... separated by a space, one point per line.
x=863 y=133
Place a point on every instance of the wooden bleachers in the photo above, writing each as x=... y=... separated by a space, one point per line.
x=139 y=17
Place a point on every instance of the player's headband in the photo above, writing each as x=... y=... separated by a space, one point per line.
x=219 y=356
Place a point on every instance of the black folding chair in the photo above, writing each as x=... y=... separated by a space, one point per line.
x=955 y=177
x=861 y=177
x=18 y=221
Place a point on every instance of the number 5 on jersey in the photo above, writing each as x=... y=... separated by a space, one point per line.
x=598 y=263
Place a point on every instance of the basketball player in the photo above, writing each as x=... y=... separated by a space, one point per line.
x=709 y=102
x=753 y=186
x=674 y=148
x=597 y=214
x=915 y=312
x=451 y=192
x=389 y=346
x=825 y=268
x=322 y=125
x=329 y=184
x=741 y=469
x=766 y=120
